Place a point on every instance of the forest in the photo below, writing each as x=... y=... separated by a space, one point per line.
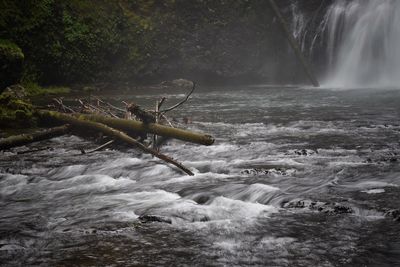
x=199 y=133
x=64 y=43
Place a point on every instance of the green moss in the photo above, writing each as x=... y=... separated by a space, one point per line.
x=11 y=50
x=15 y=113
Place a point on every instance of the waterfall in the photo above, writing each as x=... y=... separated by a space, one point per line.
x=361 y=39
x=364 y=43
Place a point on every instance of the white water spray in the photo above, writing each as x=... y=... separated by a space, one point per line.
x=364 y=43
x=361 y=39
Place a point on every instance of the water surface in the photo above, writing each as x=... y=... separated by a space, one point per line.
x=297 y=177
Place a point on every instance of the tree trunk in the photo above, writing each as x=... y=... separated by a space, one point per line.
x=24 y=139
x=160 y=130
x=83 y=123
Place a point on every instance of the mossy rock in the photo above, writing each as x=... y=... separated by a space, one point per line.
x=16 y=112
x=11 y=60
x=16 y=91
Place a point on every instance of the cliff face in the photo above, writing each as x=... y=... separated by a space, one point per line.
x=147 y=41
x=245 y=42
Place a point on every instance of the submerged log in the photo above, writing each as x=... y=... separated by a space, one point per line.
x=82 y=122
x=24 y=139
x=160 y=130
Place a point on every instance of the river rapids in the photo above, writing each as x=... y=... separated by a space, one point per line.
x=297 y=177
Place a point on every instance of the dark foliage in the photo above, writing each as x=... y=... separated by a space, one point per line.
x=84 y=41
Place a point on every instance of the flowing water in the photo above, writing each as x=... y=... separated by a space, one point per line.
x=297 y=177
x=360 y=40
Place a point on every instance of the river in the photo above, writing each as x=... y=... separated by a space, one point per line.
x=297 y=177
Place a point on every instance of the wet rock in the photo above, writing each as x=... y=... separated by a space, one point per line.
x=301 y=204
x=255 y=171
x=154 y=218
x=202 y=219
x=202 y=199
x=262 y=171
x=395 y=214
x=305 y=152
x=388 y=157
x=10 y=170
x=368 y=160
x=340 y=209
x=324 y=207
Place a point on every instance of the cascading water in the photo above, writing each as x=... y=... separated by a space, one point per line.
x=362 y=42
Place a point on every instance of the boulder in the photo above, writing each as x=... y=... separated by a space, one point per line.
x=324 y=207
x=154 y=218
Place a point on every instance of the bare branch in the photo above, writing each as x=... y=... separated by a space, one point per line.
x=160 y=103
x=97 y=109
x=98 y=148
x=110 y=105
x=165 y=118
x=64 y=107
x=181 y=102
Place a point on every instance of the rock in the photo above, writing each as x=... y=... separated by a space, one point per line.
x=154 y=218
x=395 y=214
x=305 y=152
x=325 y=207
x=340 y=209
x=299 y=204
x=387 y=157
x=368 y=160
x=202 y=199
x=203 y=219
x=255 y=171
x=16 y=91
x=263 y=171
x=11 y=59
x=15 y=110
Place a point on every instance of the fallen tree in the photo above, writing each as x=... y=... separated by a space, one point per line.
x=90 y=119
x=83 y=123
x=24 y=139
x=153 y=128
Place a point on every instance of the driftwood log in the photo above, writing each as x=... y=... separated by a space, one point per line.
x=24 y=139
x=83 y=122
x=158 y=129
